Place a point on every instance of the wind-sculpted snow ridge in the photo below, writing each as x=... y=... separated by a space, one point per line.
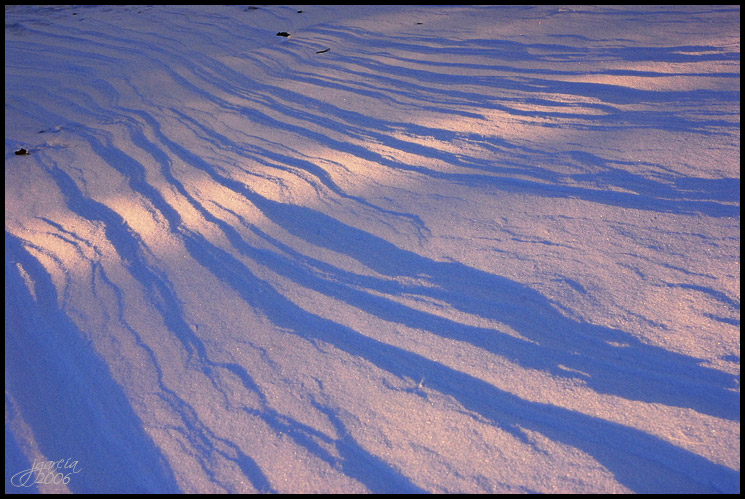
x=391 y=250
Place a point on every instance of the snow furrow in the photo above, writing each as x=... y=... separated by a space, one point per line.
x=398 y=249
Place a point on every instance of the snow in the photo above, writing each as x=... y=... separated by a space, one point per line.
x=464 y=250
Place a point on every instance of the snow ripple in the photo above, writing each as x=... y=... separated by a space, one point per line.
x=237 y=262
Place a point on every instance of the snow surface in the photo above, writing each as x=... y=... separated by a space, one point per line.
x=466 y=249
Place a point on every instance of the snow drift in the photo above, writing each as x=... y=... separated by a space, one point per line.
x=394 y=249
